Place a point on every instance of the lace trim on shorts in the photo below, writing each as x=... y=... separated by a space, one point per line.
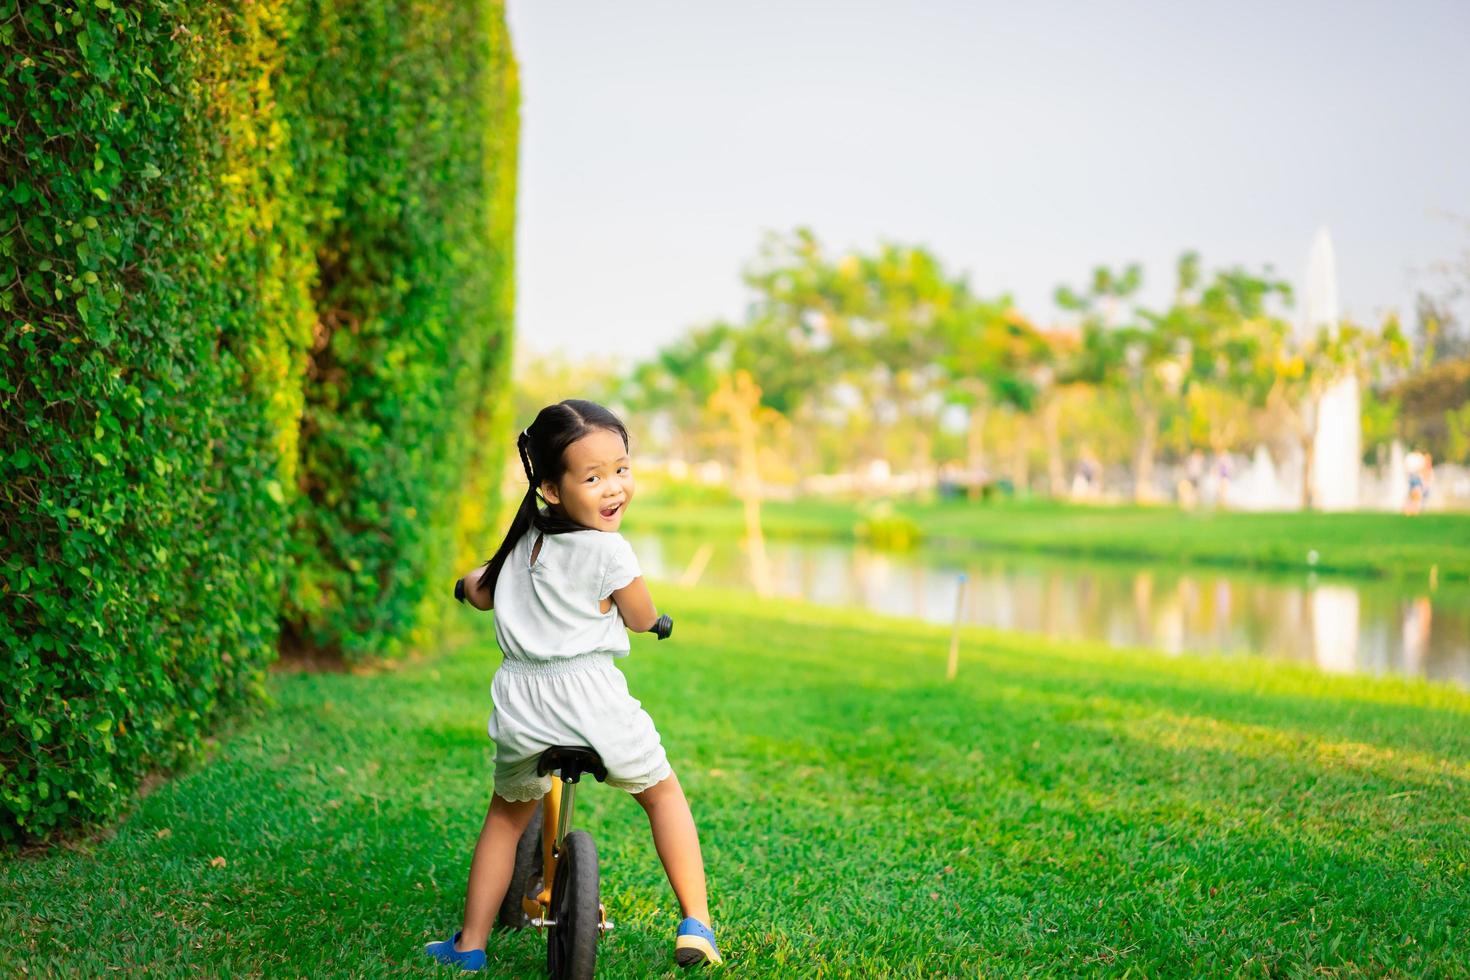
x=658 y=776
x=526 y=793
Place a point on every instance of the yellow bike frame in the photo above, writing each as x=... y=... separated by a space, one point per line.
x=538 y=909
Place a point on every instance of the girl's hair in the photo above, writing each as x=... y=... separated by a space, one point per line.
x=543 y=446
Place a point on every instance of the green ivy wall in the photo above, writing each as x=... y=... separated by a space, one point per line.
x=255 y=317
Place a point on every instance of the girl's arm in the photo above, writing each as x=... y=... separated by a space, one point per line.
x=475 y=595
x=636 y=606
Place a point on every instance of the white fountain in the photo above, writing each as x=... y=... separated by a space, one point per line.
x=1261 y=488
x=1337 y=449
x=1391 y=496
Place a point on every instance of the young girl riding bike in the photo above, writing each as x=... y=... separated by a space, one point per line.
x=565 y=587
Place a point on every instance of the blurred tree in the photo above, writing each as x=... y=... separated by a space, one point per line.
x=676 y=385
x=988 y=352
x=1097 y=430
x=1457 y=434
x=800 y=312
x=543 y=379
x=909 y=299
x=856 y=342
x=1434 y=401
x=1226 y=330
x=1129 y=349
x=737 y=401
x=1383 y=421
x=1439 y=333
x=861 y=352
x=1442 y=309
x=793 y=342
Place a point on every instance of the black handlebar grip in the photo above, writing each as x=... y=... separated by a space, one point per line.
x=663 y=627
x=459 y=589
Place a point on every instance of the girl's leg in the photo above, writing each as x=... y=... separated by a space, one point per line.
x=491 y=868
x=677 y=843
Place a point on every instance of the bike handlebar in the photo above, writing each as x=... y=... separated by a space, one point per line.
x=662 y=628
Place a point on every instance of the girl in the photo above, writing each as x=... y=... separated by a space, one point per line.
x=564 y=585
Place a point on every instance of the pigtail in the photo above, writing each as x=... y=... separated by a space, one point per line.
x=525 y=517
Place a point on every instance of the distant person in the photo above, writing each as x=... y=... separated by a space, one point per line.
x=1184 y=489
x=1194 y=471
x=1189 y=488
x=950 y=484
x=566 y=587
x=1222 y=479
x=1087 y=483
x=1417 y=466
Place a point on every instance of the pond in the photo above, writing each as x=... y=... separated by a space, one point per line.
x=1341 y=625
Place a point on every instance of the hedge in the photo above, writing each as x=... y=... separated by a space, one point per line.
x=384 y=445
x=255 y=267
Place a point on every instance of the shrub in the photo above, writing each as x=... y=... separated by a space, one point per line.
x=1432 y=399
x=413 y=300
x=244 y=250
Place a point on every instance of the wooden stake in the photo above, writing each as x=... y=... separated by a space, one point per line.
x=954 y=638
x=690 y=578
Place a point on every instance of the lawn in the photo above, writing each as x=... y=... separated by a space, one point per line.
x=1058 y=809
x=1364 y=544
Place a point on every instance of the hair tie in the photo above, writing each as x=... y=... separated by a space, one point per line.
x=525 y=457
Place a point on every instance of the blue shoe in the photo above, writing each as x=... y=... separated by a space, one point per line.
x=695 y=943
x=444 y=952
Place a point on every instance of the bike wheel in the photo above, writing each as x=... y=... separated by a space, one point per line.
x=528 y=867
x=571 y=944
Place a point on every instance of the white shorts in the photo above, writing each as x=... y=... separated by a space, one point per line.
x=581 y=700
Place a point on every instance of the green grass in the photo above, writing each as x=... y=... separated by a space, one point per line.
x=1059 y=809
x=1347 y=544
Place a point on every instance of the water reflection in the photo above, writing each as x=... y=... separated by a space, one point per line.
x=1371 y=627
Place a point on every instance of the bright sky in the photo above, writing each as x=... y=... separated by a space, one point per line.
x=1024 y=143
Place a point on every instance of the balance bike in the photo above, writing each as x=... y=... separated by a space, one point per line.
x=569 y=908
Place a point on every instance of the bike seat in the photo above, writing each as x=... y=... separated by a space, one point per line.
x=571 y=761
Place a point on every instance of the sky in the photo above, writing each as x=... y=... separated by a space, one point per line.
x=1023 y=143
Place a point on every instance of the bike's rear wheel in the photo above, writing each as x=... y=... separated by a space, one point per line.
x=571 y=944
x=528 y=866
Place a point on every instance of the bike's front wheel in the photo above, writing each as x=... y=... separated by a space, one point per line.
x=571 y=944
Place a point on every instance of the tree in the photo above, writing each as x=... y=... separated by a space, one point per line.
x=737 y=400
x=988 y=351
x=676 y=384
x=1226 y=330
x=795 y=338
x=861 y=331
x=1434 y=400
x=1128 y=349
x=544 y=379
x=1058 y=376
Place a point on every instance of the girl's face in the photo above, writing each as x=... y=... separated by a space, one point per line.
x=597 y=486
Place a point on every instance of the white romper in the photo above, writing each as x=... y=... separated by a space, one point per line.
x=557 y=684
